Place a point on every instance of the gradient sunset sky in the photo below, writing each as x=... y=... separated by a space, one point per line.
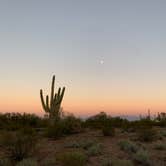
x=110 y=55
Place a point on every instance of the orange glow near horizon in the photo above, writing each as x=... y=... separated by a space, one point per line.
x=82 y=106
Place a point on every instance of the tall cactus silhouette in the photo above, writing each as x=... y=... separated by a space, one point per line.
x=53 y=106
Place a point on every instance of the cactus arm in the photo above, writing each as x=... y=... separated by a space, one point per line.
x=62 y=94
x=55 y=98
x=47 y=103
x=59 y=98
x=59 y=93
x=42 y=101
x=52 y=91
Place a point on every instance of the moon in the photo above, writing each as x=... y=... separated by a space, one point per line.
x=101 y=62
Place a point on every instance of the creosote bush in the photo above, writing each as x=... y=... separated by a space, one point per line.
x=147 y=134
x=27 y=162
x=128 y=146
x=73 y=159
x=54 y=131
x=87 y=143
x=94 y=150
x=21 y=146
x=160 y=146
x=66 y=126
x=142 y=157
x=122 y=162
x=108 y=130
x=48 y=162
x=5 y=162
x=106 y=162
x=71 y=125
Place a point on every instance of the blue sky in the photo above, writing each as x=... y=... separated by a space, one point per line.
x=69 y=39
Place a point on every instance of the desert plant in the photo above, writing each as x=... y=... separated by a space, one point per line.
x=5 y=162
x=15 y=121
x=122 y=162
x=147 y=134
x=48 y=162
x=108 y=130
x=142 y=158
x=128 y=146
x=53 y=106
x=21 y=146
x=55 y=131
x=87 y=143
x=160 y=146
x=95 y=150
x=5 y=138
x=163 y=133
x=27 y=162
x=106 y=162
x=73 y=159
x=71 y=124
x=72 y=144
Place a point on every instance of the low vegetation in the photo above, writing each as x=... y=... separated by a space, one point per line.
x=65 y=140
x=73 y=158
x=142 y=157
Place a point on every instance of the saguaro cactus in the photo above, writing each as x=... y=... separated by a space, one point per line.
x=52 y=107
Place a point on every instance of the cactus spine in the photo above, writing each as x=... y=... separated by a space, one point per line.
x=53 y=106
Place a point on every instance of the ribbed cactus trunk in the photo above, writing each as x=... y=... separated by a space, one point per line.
x=53 y=106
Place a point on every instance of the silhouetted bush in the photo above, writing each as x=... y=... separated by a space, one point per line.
x=71 y=125
x=108 y=130
x=147 y=134
x=99 y=120
x=15 y=121
x=161 y=119
x=20 y=145
x=55 y=131
x=65 y=126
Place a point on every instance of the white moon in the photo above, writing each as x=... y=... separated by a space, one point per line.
x=101 y=62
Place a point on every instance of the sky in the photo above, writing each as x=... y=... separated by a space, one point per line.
x=109 y=54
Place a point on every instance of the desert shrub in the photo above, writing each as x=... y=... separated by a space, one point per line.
x=72 y=144
x=15 y=121
x=5 y=138
x=97 y=121
x=163 y=133
x=54 y=131
x=128 y=146
x=106 y=162
x=95 y=150
x=83 y=143
x=161 y=119
x=160 y=146
x=21 y=146
x=65 y=126
x=5 y=162
x=142 y=158
x=126 y=127
x=147 y=134
x=87 y=143
x=122 y=162
x=48 y=162
x=27 y=162
x=108 y=130
x=71 y=125
x=100 y=119
x=73 y=159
